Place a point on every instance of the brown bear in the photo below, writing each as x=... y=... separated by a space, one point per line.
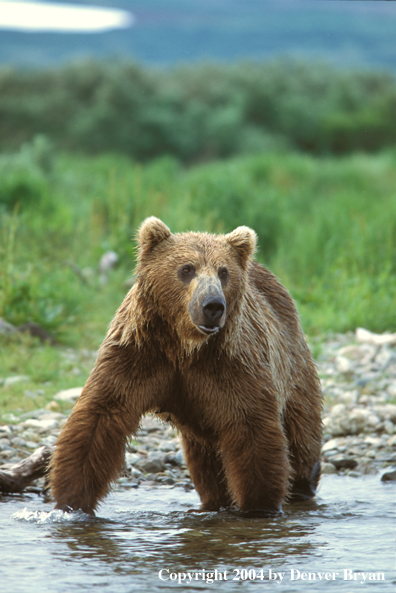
x=210 y=338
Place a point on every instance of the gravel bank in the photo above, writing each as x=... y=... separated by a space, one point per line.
x=358 y=373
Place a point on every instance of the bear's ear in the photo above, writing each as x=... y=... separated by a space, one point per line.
x=151 y=233
x=244 y=240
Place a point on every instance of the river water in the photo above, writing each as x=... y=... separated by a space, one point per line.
x=144 y=540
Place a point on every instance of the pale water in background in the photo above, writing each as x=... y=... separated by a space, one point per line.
x=140 y=532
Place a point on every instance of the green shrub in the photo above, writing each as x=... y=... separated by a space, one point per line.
x=199 y=112
x=23 y=175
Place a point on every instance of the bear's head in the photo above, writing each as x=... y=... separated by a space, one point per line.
x=193 y=281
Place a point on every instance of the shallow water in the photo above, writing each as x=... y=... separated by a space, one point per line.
x=140 y=532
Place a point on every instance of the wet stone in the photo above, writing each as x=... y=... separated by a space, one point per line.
x=152 y=465
x=389 y=476
x=341 y=462
x=5 y=444
x=49 y=440
x=131 y=459
x=42 y=425
x=328 y=468
x=177 y=459
x=392 y=441
x=7 y=453
x=18 y=442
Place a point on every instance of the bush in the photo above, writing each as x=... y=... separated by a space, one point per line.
x=199 y=112
x=23 y=175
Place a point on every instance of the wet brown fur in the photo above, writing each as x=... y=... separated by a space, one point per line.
x=246 y=400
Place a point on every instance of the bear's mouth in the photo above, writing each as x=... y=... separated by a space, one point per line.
x=208 y=330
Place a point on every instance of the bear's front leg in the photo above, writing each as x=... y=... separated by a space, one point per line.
x=89 y=452
x=255 y=456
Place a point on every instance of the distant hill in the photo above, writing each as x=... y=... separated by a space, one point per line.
x=344 y=33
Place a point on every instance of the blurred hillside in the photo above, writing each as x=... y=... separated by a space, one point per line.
x=342 y=33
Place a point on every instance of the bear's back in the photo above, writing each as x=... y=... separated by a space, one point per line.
x=276 y=295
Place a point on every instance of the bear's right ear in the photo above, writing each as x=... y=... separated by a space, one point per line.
x=151 y=233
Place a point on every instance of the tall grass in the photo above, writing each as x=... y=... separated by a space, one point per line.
x=326 y=227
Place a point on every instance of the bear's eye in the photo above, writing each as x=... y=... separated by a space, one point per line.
x=223 y=274
x=187 y=272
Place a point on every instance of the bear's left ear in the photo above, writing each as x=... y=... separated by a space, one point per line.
x=151 y=233
x=244 y=240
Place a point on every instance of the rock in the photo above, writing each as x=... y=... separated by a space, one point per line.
x=108 y=261
x=385 y=358
x=31 y=394
x=69 y=395
x=167 y=447
x=328 y=468
x=344 y=365
x=349 y=397
x=344 y=422
x=10 y=417
x=168 y=481
x=16 y=379
x=389 y=427
x=391 y=389
x=6 y=328
x=36 y=331
x=52 y=406
x=392 y=441
x=388 y=476
x=5 y=445
x=18 y=442
x=131 y=459
x=363 y=353
x=363 y=335
x=373 y=441
x=341 y=462
x=331 y=445
x=371 y=454
x=177 y=459
x=8 y=453
x=151 y=465
x=44 y=425
x=49 y=440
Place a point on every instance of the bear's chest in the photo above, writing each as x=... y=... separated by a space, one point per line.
x=190 y=403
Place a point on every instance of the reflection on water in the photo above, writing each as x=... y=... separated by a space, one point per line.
x=138 y=533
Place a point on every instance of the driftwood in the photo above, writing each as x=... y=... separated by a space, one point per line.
x=17 y=477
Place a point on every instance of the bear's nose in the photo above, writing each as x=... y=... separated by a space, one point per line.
x=213 y=308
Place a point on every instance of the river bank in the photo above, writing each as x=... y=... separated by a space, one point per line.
x=358 y=373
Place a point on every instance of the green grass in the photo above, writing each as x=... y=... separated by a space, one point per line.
x=326 y=227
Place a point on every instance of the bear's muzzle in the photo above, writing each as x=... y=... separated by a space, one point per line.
x=207 y=307
x=213 y=308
